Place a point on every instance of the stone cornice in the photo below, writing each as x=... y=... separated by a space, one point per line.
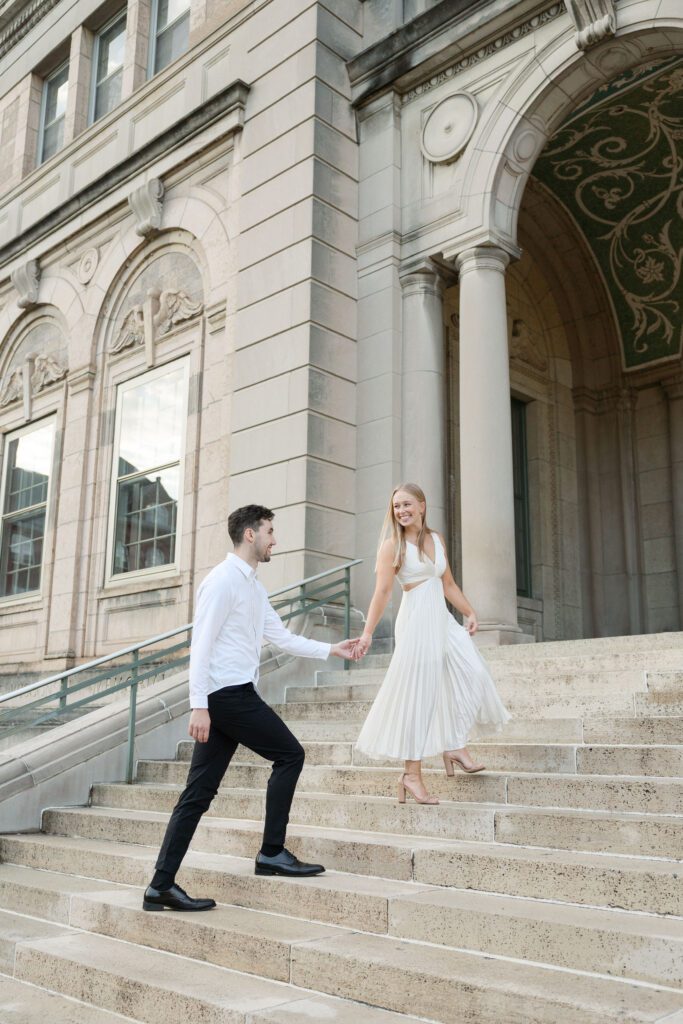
x=21 y=25
x=232 y=98
x=440 y=35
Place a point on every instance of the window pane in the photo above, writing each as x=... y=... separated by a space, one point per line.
x=56 y=88
x=146 y=520
x=111 y=48
x=151 y=430
x=170 y=10
x=108 y=95
x=28 y=469
x=53 y=139
x=22 y=554
x=171 y=43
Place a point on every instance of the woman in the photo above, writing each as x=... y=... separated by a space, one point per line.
x=437 y=687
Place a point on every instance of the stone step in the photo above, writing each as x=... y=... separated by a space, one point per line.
x=416 y=977
x=527 y=707
x=634 y=884
x=469 y=821
x=17 y=928
x=666 y=703
x=647 y=835
x=351 y=901
x=641 y=947
x=599 y=792
x=596 y=879
x=448 y=985
x=657 y=643
x=485 y=787
x=660 y=760
x=640 y=730
x=160 y=988
x=660 y=680
x=23 y=1003
x=634 y=946
x=638 y=759
x=359 y=685
x=45 y=894
x=497 y=756
x=519 y=730
x=251 y=941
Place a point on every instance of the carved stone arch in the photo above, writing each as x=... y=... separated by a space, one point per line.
x=33 y=358
x=531 y=105
x=159 y=286
x=200 y=213
x=60 y=289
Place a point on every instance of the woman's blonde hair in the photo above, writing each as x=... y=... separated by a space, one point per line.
x=392 y=529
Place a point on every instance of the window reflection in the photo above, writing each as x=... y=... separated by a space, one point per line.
x=172 y=31
x=25 y=491
x=148 y=462
x=110 y=54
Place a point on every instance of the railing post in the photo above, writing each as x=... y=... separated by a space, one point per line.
x=132 y=712
x=63 y=687
x=347 y=609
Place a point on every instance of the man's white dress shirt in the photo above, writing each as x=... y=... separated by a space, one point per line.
x=232 y=619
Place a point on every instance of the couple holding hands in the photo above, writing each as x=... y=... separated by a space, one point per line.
x=436 y=691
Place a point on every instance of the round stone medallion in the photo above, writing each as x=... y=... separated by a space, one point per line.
x=88 y=265
x=449 y=127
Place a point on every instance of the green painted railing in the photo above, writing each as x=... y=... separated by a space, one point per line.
x=59 y=696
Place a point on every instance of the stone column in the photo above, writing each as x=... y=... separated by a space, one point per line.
x=674 y=393
x=488 y=517
x=423 y=390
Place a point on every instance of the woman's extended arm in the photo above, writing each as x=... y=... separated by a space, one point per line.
x=385 y=577
x=455 y=596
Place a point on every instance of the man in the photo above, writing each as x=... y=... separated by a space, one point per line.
x=233 y=617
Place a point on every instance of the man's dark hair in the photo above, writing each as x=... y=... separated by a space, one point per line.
x=249 y=517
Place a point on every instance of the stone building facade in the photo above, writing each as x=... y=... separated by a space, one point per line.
x=294 y=252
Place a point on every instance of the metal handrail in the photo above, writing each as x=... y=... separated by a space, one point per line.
x=146 y=667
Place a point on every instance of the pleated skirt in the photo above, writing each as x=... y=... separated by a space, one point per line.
x=437 y=692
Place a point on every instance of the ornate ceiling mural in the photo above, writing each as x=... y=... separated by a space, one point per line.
x=617 y=166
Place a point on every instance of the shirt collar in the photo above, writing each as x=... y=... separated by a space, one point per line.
x=243 y=566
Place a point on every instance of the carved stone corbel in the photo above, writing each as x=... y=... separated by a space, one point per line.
x=594 y=20
x=26 y=280
x=146 y=204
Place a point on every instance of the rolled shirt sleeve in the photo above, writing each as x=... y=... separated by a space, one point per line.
x=214 y=601
x=275 y=632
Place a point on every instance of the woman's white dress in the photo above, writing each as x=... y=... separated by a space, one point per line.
x=437 y=691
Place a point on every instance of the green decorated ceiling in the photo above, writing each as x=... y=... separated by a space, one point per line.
x=617 y=166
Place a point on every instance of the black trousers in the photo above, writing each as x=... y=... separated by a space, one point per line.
x=238 y=715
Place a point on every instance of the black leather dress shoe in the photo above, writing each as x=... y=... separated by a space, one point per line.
x=174 y=898
x=285 y=863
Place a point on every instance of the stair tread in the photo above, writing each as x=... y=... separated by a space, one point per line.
x=610 y=996
x=351 y=799
x=565 y=857
x=149 y=968
x=170 y=977
x=24 y=1003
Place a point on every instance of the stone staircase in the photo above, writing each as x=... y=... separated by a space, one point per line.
x=547 y=890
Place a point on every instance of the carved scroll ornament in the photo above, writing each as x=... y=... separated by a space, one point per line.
x=146 y=204
x=26 y=280
x=594 y=20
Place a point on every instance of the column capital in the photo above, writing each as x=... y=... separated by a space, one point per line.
x=421 y=277
x=482 y=257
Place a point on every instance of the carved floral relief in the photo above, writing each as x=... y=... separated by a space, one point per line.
x=617 y=165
